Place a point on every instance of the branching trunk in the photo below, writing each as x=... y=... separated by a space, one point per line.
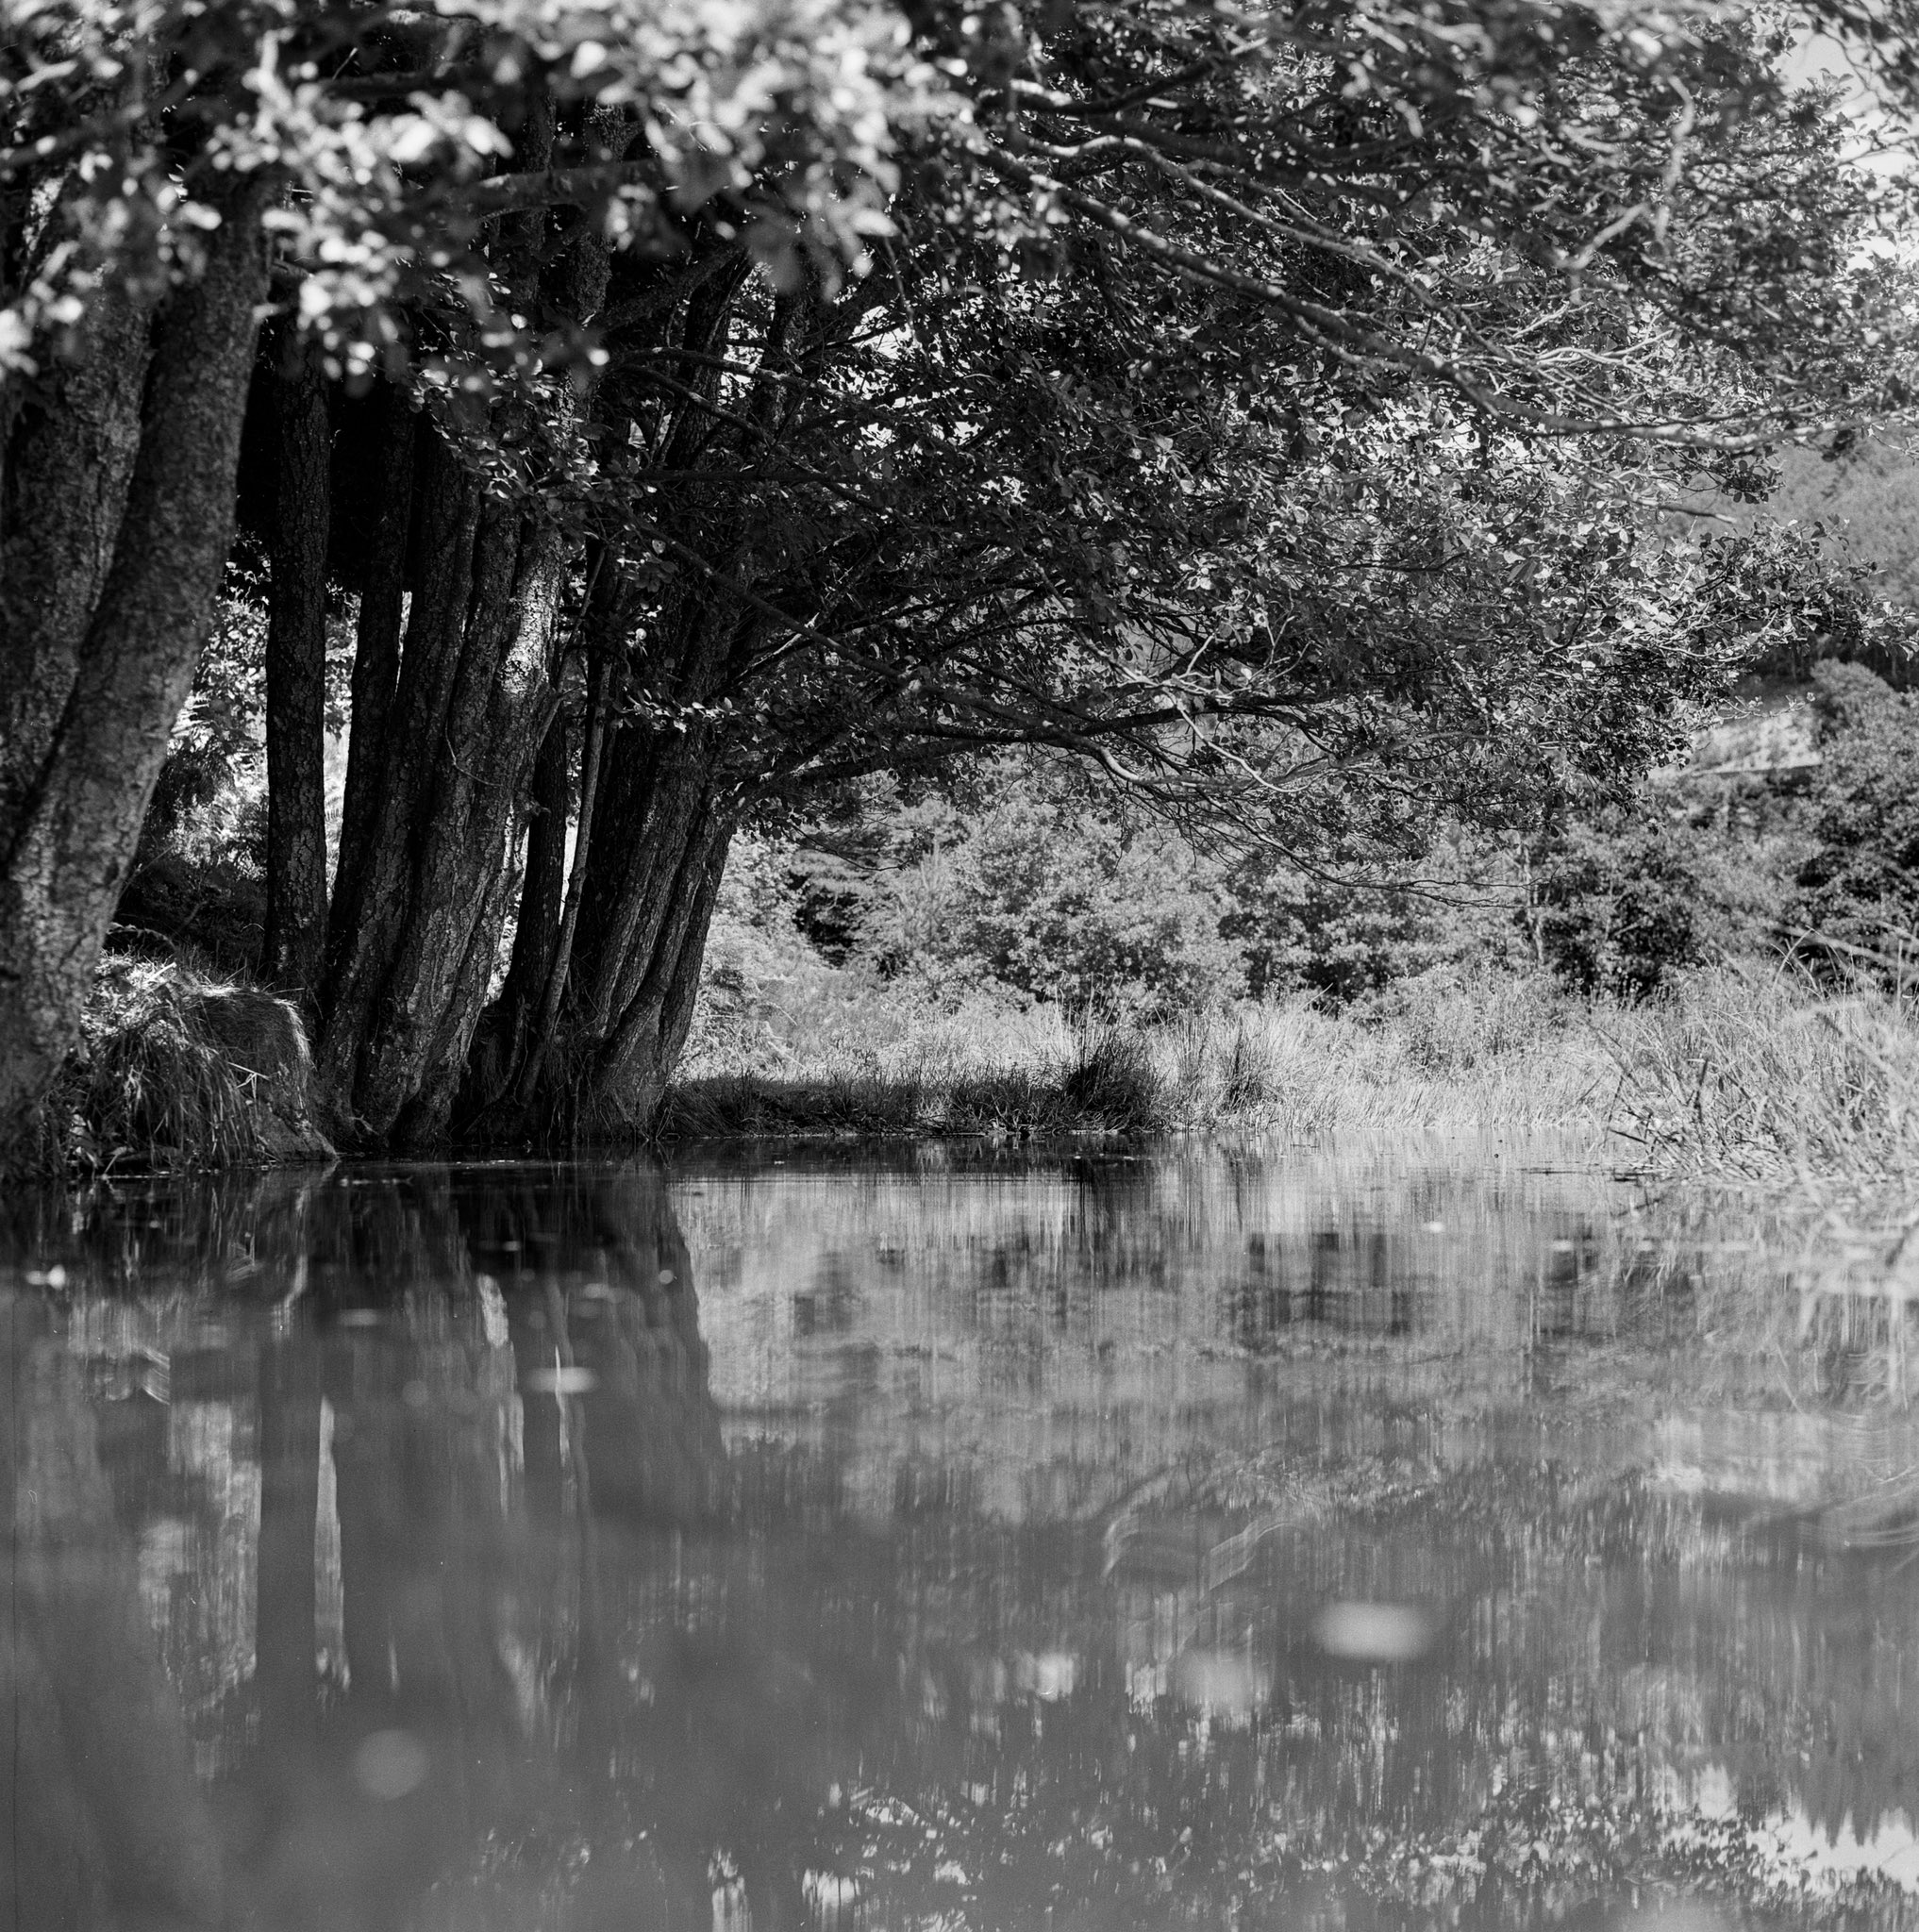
x=296 y=675
x=94 y=686
x=652 y=878
x=500 y=1047
x=473 y=700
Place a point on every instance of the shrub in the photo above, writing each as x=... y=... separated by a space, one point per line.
x=1348 y=939
x=1859 y=890
x=1048 y=895
x=1615 y=907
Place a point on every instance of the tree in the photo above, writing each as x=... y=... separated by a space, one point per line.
x=1158 y=477
x=149 y=158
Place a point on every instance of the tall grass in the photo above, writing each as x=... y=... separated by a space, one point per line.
x=1758 y=1074
x=1740 y=1074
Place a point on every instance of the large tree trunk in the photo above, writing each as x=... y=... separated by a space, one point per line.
x=97 y=660
x=296 y=675
x=432 y=867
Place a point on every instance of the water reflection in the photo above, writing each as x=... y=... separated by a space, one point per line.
x=1217 y=1540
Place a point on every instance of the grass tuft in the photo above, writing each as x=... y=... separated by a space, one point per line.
x=178 y=1071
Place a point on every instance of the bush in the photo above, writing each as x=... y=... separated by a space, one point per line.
x=1338 y=941
x=1050 y=896
x=1346 y=940
x=1859 y=890
x=1615 y=907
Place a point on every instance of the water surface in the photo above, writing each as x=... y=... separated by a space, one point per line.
x=1432 y=1535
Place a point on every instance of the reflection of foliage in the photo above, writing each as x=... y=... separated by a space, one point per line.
x=801 y=1653
x=1861 y=887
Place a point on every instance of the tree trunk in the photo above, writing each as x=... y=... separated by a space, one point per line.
x=500 y=1047
x=286 y=1681
x=296 y=675
x=94 y=688
x=433 y=871
x=375 y=668
x=109 y=1827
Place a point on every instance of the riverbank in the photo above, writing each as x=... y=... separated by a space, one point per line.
x=1512 y=1055
x=1740 y=1074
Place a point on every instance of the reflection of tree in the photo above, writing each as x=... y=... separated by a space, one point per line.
x=107 y=1824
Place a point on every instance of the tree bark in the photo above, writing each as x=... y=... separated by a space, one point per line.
x=296 y=675
x=69 y=462
x=88 y=730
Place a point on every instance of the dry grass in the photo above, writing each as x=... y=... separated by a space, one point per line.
x=1740 y=1075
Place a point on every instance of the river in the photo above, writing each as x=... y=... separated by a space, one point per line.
x=1439 y=1534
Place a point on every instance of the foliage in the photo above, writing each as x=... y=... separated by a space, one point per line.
x=1620 y=903
x=1613 y=912
x=216 y=745
x=1050 y=893
x=1858 y=891
x=1346 y=936
x=1872 y=492
x=758 y=969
